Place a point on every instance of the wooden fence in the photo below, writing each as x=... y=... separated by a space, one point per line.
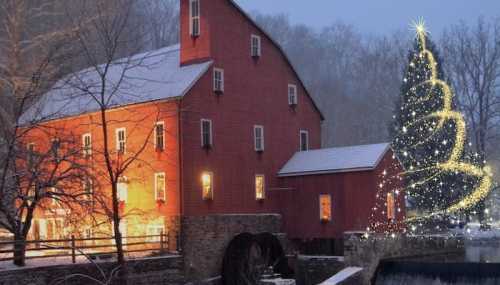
x=88 y=247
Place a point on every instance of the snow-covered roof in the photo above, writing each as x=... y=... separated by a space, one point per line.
x=144 y=77
x=338 y=159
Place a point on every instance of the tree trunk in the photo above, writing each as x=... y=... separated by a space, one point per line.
x=19 y=250
x=122 y=273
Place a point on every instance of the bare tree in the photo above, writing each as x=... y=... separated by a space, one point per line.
x=32 y=57
x=161 y=22
x=473 y=64
x=107 y=84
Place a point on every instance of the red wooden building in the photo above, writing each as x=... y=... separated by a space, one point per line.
x=229 y=111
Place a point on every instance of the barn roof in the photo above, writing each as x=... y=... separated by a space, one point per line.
x=150 y=76
x=332 y=160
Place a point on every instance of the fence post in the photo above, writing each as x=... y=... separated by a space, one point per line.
x=73 y=256
x=161 y=242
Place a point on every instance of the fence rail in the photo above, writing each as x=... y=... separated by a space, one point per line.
x=74 y=247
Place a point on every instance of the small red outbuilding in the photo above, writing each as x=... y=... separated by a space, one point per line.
x=326 y=192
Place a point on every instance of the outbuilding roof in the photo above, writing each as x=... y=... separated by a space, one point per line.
x=144 y=77
x=332 y=160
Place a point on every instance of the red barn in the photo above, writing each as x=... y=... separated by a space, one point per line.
x=232 y=111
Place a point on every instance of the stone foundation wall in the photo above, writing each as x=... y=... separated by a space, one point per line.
x=367 y=252
x=312 y=270
x=149 y=271
x=205 y=238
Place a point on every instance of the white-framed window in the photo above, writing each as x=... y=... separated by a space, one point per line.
x=121 y=140
x=255 y=46
x=218 y=80
x=207 y=185
x=194 y=17
x=122 y=187
x=258 y=133
x=154 y=231
x=87 y=144
x=31 y=154
x=88 y=189
x=391 y=207
x=206 y=133
x=160 y=186
x=55 y=146
x=292 y=95
x=260 y=187
x=325 y=207
x=160 y=136
x=304 y=140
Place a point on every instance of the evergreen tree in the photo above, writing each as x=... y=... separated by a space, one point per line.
x=430 y=138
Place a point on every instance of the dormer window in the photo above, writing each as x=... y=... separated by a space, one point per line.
x=218 y=80
x=194 y=17
x=255 y=46
x=292 y=95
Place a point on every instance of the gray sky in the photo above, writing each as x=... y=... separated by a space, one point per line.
x=377 y=16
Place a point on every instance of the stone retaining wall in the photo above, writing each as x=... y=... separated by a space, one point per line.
x=367 y=252
x=312 y=270
x=149 y=271
x=205 y=238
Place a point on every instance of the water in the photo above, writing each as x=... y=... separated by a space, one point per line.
x=480 y=264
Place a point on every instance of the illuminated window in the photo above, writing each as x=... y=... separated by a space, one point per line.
x=304 y=140
x=87 y=145
x=325 y=208
x=292 y=95
x=218 y=80
x=194 y=15
x=207 y=185
x=206 y=133
x=31 y=154
x=260 y=184
x=154 y=232
x=160 y=136
x=259 y=138
x=122 y=187
x=88 y=189
x=391 y=207
x=255 y=46
x=54 y=148
x=160 y=187
x=121 y=140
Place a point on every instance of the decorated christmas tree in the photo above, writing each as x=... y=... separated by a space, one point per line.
x=442 y=174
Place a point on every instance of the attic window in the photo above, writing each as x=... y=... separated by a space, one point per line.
x=292 y=95
x=255 y=46
x=194 y=17
x=391 y=207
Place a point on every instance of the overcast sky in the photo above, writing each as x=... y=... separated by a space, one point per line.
x=377 y=16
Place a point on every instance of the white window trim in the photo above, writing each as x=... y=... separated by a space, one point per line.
x=263 y=187
x=87 y=151
x=118 y=130
x=255 y=127
x=307 y=140
x=210 y=143
x=160 y=123
x=192 y=18
x=259 y=46
x=321 y=207
x=164 y=198
x=221 y=71
x=122 y=180
x=295 y=97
